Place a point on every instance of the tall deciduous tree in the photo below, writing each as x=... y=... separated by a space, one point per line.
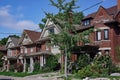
x=68 y=37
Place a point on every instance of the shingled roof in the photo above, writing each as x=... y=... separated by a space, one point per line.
x=33 y=35
x=15 y=40
x=111 y=11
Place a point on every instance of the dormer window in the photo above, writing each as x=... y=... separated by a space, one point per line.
x=51 y=30
x=26 y=37
x=86 y=22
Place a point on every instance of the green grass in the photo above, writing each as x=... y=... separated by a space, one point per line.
x=19 y=74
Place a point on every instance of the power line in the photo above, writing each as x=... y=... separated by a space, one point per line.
x=39 y=28
x=93 y=6
x=9 y=33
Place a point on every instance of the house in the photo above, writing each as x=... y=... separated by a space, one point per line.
x=12 y=51
x=106 y=35
x=44 y=40
x=3 y=53
x=34 y=46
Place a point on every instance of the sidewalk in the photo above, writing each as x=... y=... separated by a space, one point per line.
x=45 y=76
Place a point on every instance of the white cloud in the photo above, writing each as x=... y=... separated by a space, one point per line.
x=10 y=20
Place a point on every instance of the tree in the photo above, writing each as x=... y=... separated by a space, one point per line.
x=1 y=61
x=68 y=37
x=77 y=17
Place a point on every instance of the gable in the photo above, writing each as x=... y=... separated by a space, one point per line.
x=102 y=16
x=117 y=17
x=26 y=39
x=9 y=43
x=49 y=27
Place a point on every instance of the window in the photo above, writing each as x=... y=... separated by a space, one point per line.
x=21 y=50
x=107 y=52
x=98 y=35
x=86 y=22
x=100 y=53
x=106 y=34
x=47 y=48
x=31 y=50
x=25 y=50
x=9 y=52
x=26 y=37
x=51 y=30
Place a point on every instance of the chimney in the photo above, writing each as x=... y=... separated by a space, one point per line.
x=118 y=5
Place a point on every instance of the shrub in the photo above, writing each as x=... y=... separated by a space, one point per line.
x=85 y=72
x=51 y=63
x=11 y=68
x=36 y=66
x=83 y=60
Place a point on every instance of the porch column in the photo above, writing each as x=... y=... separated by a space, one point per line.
x=41 y=60
x=44 y=59
x=8 y=65
x=21 y=60
x=17 y=60
x=24 y=65
x=4 y=65
x=31 y=64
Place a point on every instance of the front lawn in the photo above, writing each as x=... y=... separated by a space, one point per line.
x=18 y=74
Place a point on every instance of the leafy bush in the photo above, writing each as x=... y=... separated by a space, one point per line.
x=85 y=72
x=51 y=63
x=36 y=66
x=83 y=60
x=101 y=63
x=11 y=68
x=18 y=67
x=101 y=66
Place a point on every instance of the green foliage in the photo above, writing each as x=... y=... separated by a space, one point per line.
x=18 y=67
x=1 y=61
x=51 y=62
x=118 y=53
x=36 y=66
x=3 y=41
x=11 y=68
x=83 y=60
x=100 y=67
x=85 y=72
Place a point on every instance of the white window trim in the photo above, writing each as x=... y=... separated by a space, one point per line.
x=105 y=48
x=99 y=36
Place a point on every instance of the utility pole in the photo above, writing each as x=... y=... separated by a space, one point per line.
x=66 y=63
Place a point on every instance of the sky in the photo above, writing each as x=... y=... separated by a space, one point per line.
x=17 y=15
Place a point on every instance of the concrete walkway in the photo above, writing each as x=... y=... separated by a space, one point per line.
x=46 y=76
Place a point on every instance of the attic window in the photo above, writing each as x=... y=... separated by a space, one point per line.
x=86 y=22
x=26 y=37
x=51 y=30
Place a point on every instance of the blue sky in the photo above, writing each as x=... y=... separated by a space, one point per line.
x=17 y=15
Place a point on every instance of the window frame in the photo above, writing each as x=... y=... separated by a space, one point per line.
x=106 y=35
x=51 y=30
x=97 y=38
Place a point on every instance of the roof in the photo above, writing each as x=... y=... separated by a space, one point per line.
x=81 y=27
x=33 y=35
x=111 y=11
x=15 y=40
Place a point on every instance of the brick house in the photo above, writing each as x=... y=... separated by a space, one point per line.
x=106 y=35
x=13 y=50
x=33 y=46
